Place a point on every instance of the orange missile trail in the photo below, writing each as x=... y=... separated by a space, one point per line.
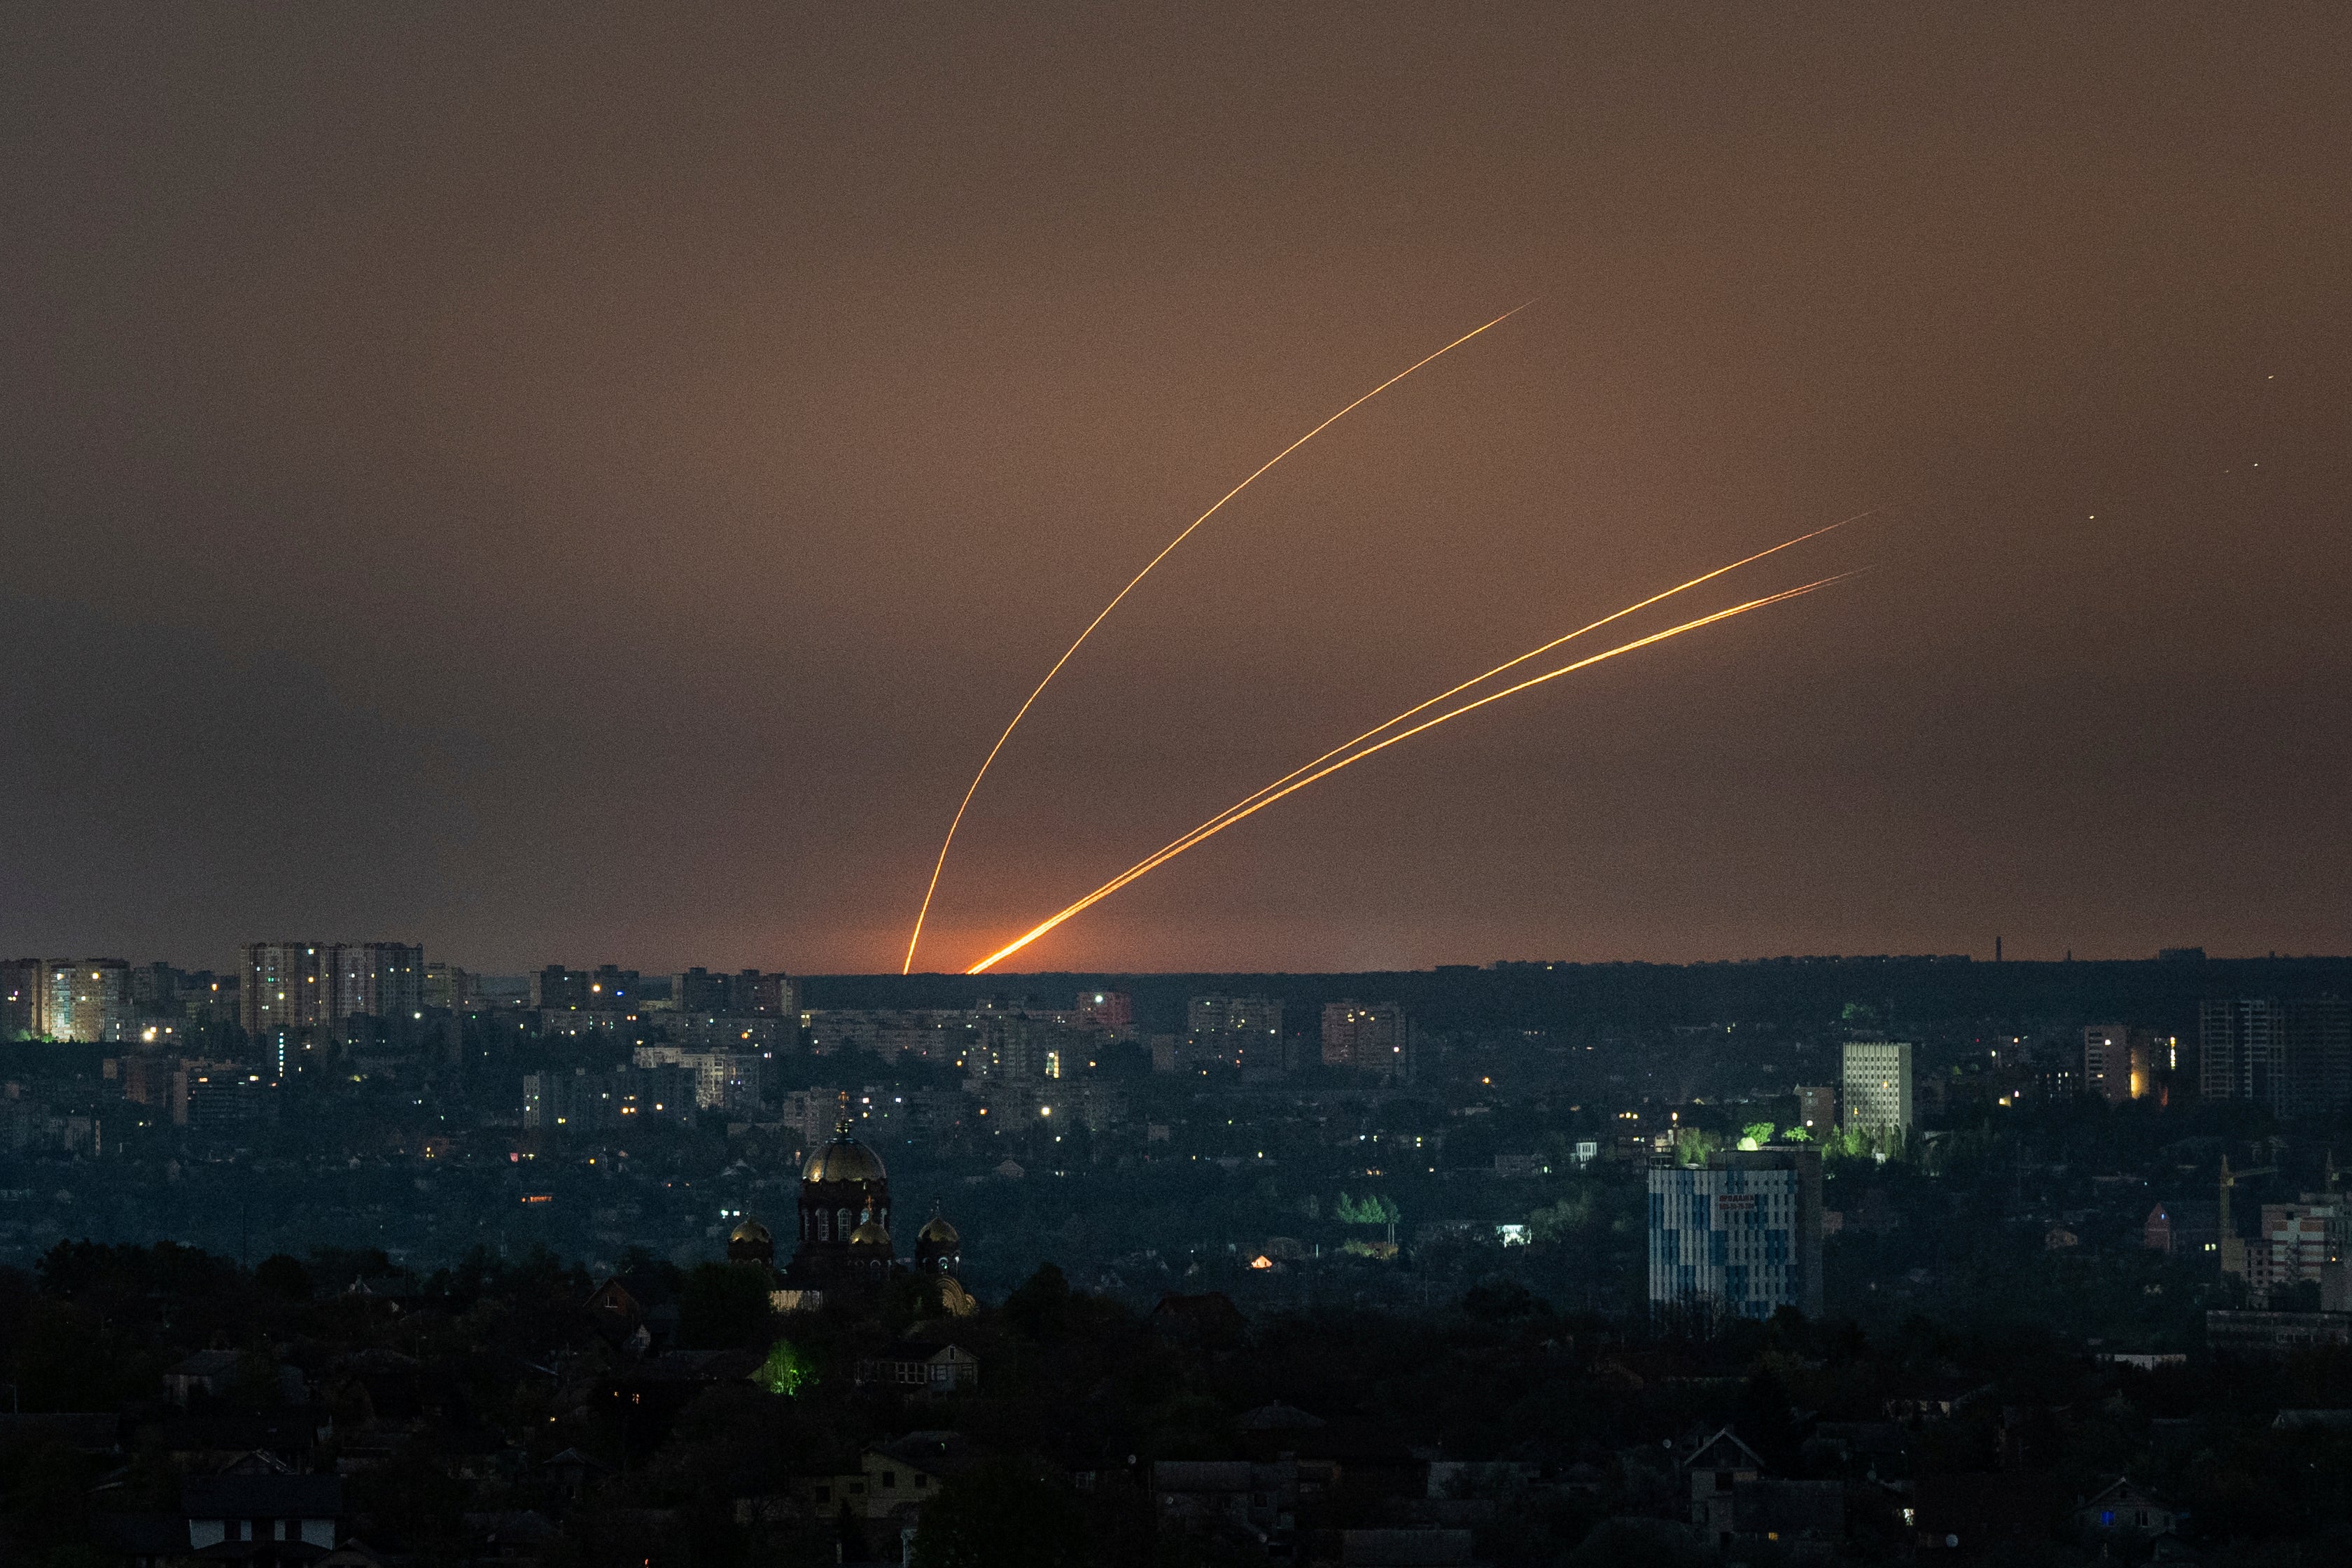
x=1023 y=711
x=1179 y=844
x=1531 y=654
x=1252 y=805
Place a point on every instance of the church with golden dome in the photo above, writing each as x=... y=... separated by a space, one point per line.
x=845 y=1248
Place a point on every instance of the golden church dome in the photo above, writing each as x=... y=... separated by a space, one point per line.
x=844 y=1160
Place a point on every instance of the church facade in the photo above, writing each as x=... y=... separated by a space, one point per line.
x=844 y=1247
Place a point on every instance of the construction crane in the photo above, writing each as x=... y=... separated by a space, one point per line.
x=2234 y=1247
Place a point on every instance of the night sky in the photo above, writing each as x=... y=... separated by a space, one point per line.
x=555 y=488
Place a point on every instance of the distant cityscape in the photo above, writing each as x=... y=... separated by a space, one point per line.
x=885 y=1198
x=353 y=1055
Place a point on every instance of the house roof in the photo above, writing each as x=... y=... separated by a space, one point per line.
x=613 y=1295
x=1278 y=1417
x=2122 y=1492
x=574 y=1458
x=262 y=1497
x=1725 y=1451
x=525 y=1527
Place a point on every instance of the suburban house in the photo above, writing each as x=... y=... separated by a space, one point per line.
x=1715 y=1470
x=892 y=1480
x=914 y=1369
x=261 y=1516
x=2122 y=1510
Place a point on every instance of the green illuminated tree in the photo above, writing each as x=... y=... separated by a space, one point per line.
x=1694 y=1144
x=786 y=1371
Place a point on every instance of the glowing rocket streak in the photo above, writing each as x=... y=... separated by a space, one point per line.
x=936 y=866
x=1514 y=663
x=1251 y=805
x=1250 y=808
x=1178 y=846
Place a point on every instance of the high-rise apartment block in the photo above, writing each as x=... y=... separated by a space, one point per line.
x=1010 y=1045
x=20 y=999
x=1243 y=1032
x=1742 y=1235
x=287 y=985
x=2121 y=1063
x=89 y=1001
x=377 y=980
x=732 y=1081
x=2292 y=1058
x=586 y=1101
x=746 y=994
x=1878 y=1086
x=556 y=989
x=221 y=1097
x=447 y=987
x=1375 y=1037
x=86 y=1000
x=770 y=995
x=1113 y=1011
x=698 y=991
x=2298 y=1241
x=1257 y=1015
x=612 y=989
x=293 y=988
x=155 y=990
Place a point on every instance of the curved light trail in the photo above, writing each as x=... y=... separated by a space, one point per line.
x=907 y=966
x=1252 y=804
x=1531 y=654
